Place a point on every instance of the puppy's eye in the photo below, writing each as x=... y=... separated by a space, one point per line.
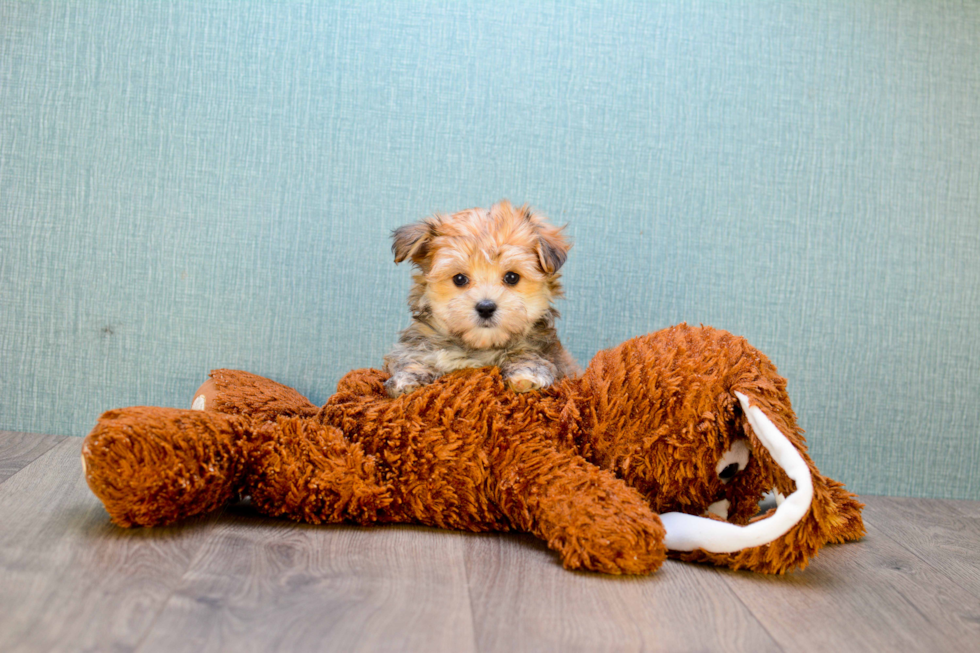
x=511 y=278
x=461 y=280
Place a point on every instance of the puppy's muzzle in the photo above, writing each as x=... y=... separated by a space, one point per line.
x=486 y=309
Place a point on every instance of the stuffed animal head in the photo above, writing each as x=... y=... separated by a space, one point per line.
x=699 y=421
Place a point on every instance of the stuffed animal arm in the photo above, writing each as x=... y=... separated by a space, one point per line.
x=664 y=446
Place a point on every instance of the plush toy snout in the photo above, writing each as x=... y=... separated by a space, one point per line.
x=816 y=512
x=718 y=432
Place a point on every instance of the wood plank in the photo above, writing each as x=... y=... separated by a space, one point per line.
x=69 y=579
x=17 y=450
x=523 y=600
x=943 y=533
x=872 y=595
x=263 y=584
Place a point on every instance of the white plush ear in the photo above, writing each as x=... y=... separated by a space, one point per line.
x=688 y=532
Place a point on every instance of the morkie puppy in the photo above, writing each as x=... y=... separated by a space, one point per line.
x=481 y=295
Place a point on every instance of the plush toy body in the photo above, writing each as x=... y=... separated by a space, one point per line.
x=682 y=421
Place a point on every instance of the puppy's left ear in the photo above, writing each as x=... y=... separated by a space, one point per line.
x=552 y=247
x=412 y=240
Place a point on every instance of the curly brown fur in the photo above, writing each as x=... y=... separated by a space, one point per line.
x=481 y=296
x=585 y=464
x=156 y=466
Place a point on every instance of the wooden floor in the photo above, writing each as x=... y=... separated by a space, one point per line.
x=70 y=580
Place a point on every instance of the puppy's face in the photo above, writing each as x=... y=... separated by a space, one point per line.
x=483 y=276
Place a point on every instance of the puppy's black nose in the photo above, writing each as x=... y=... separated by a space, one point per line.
x=486 y=308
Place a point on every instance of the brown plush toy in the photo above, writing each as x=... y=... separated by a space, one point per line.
x=665 y=445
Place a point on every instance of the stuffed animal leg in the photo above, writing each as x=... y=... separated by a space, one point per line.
x=157 y=466
x=309 y=472
x=246 y=435
x=591 y=518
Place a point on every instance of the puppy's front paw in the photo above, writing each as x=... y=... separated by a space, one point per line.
x=402 y=383
x=525 y=379
x=396 y=387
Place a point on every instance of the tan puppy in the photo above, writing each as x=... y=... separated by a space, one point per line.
x=482 y=295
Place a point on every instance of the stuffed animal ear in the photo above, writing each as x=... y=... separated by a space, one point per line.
x=815 y=511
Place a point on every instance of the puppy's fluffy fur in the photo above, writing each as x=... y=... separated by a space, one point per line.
x=482 y=295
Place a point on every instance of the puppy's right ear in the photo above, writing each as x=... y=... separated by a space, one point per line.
x=412 y=241
x=552 y=248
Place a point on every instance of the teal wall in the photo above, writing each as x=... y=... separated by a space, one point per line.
x=190 y=185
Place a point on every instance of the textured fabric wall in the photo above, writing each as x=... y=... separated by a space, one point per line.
x=188 y=185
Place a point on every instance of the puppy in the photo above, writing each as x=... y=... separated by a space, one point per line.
x=481 y=295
